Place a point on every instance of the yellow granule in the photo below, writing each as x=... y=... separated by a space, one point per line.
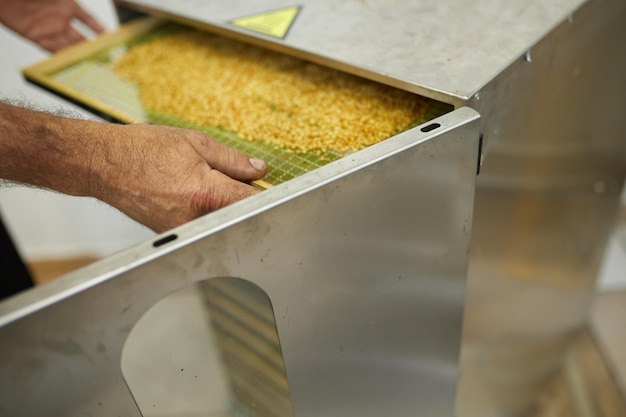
x=264 y=95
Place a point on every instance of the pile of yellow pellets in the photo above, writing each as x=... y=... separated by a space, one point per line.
x=264 y=95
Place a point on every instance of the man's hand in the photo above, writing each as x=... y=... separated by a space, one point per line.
x=160 y=176
x=48 y=23
x=164 y=177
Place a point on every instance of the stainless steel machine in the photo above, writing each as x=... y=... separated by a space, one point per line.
x=365 y=260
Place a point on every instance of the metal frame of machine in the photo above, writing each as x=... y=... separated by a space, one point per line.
x=372 y=244
x=547 y=81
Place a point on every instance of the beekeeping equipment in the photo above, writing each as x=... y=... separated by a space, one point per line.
x=365 y=260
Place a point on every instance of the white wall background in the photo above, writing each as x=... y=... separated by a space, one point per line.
x=45 y=224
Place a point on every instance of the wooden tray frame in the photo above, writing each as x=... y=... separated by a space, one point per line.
x=41 y=73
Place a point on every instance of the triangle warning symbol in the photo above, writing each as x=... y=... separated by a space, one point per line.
x=275 y=23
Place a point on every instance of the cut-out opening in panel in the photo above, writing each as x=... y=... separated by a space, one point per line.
x=211 y=350
x=164 y=240
x=430 y=127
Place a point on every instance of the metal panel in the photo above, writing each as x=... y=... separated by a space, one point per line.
x=442 y=50
x=364 y=261
x=546 y=203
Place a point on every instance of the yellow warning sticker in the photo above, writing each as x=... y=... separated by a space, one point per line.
x=274 y=23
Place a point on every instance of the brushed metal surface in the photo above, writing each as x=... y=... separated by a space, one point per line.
x=547 y=79
x=548 y=82
x=546 y=203
x=442 y=50
x=364 y=261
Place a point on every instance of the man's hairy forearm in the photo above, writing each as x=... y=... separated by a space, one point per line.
x=160 y=176
x=46 y=150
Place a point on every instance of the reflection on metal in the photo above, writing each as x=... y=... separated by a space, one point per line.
x=211 y=349
x=582 y=386
x=243 y=322
x=364 y=261
x=621 y=225
x=547 y=200
x=546 y=203
x=548 y=81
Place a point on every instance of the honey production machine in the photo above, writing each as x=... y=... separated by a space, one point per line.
x=446 y=270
